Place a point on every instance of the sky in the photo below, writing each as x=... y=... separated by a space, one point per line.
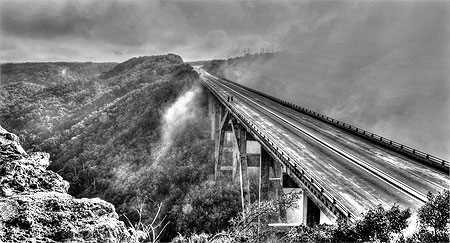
x=380 y=64
x=116 y=30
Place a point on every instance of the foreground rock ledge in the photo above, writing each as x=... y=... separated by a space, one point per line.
x=35 y=206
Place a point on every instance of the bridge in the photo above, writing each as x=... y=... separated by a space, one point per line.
x=340 y=170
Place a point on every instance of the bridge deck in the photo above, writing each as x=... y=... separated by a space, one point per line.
x=358 y=173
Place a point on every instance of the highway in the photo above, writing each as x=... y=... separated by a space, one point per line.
x=356 y=172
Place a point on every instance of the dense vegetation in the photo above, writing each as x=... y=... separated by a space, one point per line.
x=376 y=225
x=103 y=126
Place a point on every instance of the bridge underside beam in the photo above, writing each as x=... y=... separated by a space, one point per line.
x=230 y=150
x=219 y=146
x=231 y=163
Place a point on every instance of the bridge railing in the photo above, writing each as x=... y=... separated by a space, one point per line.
x=314 y=184
x=408 y=151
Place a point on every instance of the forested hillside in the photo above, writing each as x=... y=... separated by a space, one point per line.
x=33 y=95
x=134 y=133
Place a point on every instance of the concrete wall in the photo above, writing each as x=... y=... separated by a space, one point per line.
x=325 y=220
x=253 y=157
x=296 y=215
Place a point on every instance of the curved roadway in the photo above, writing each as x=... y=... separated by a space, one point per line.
x=357 y=172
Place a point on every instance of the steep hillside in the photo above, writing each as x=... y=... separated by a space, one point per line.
x=51 y=73
x=134 y=135
x=33 y=95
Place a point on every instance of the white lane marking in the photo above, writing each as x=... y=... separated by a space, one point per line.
x=333 y=197
x=375 y=171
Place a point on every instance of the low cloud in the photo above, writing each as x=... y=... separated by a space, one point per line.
x=115 y=30
x=380 y=65
x=177 y=117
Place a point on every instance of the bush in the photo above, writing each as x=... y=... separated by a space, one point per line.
x=376 y=225
x=252 y=225
x=207 y=208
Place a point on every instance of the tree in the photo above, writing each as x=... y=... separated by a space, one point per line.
x=435 y=213
x=434 y=219
x=379 y=224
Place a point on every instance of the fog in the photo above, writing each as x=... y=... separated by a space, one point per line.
x=177 y=116
x=84 y=30
x=381 y=65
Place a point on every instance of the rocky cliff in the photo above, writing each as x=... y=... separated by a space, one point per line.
x=35 y=205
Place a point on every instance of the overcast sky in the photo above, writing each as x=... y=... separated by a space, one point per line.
x=381 y=64
x=116 y=30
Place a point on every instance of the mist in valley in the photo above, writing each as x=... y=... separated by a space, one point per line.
x=382 y=66
x=134 y=131
x=177 y=116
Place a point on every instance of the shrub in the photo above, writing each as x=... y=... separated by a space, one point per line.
x=376 y=225
x=252 y=225
x=207 y=208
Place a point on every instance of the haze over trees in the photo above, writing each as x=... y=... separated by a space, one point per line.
x=137 y=135
x=103 y=125
x=133 y=130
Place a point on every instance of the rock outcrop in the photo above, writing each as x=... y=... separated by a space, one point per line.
x=35 y=205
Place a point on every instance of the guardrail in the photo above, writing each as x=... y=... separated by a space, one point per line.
x=316 y=189
x=408 y=151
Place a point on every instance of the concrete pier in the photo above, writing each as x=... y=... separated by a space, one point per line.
x=242 y=160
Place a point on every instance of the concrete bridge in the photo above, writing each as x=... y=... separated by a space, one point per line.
x=339 y=169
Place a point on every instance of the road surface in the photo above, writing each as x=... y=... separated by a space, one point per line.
x=358 y=173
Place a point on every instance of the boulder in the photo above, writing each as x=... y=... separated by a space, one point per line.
x=10 y=147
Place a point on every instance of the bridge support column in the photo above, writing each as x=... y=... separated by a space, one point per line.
x=218 y=151
x=271 y=181
x=241 y=135
x=213 y=115
x=220 y=128
x=266 y=163
x=230 y=151
x=307 y=212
